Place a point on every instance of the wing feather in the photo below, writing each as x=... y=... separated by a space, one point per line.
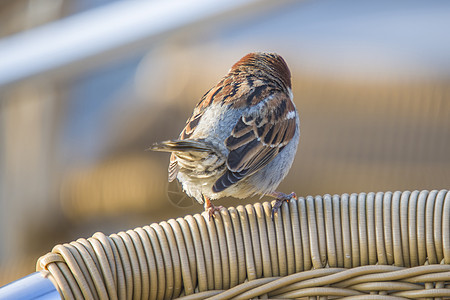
x=173 y=168
x=258 y=137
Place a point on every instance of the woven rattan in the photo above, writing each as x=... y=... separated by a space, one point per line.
x=358 y=246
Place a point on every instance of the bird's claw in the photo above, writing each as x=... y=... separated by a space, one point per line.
x=280 y=198
x=211 y=210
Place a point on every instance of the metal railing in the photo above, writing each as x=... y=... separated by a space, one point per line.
x=106 y=33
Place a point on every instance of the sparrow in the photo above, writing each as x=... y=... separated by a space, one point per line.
x=242 y=136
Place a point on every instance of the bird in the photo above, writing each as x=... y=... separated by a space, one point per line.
x=242 y=136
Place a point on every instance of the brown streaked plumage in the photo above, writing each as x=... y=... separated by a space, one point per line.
x=242 y=136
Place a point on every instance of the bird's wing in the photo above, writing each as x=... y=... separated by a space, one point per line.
x=173 y=167
x=225 y=91
x=259 y=135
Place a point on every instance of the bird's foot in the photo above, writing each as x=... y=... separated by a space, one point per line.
x=211 y=209
x=279 y=199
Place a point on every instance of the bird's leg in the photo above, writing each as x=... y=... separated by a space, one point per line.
x=279 y=199
x=210 y=208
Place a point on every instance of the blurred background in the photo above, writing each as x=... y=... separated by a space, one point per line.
x=86 y=86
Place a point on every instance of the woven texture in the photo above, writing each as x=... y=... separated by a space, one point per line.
x=375 y=246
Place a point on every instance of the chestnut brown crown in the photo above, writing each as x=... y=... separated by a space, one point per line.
x=270 y=63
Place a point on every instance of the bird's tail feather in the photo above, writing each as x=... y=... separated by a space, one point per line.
x=181 y=146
